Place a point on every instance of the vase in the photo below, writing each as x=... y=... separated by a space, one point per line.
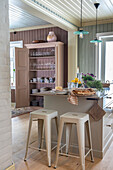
x=74 y=85
x=51 y=37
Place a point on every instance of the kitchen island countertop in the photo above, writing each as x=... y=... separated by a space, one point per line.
x=97 y=96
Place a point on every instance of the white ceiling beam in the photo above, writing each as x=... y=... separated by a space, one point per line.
x=103 y=21
x=32 y=28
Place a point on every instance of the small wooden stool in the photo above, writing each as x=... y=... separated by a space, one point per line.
x=79 y=119
x=43 y=115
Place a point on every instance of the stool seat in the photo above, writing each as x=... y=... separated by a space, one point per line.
x=80 y=119
x=42 y=116
x=44 y=112
x=75 y=116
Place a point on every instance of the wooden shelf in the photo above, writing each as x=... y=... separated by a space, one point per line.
x=41 y=70
x=40 y=83
x=41 y=57
x=35 y=94
x=44 y=45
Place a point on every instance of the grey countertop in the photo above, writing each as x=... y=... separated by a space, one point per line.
x=97 y=96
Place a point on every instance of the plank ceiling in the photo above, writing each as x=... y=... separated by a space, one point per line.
x=70 y=9
x=19 y=18
x=67 y=9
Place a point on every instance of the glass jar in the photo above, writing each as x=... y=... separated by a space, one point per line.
x=74 y=85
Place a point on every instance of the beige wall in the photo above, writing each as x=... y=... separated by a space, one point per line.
x=72 y=55
x=5 y=115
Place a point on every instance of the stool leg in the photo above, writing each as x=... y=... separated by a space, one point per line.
x=81 y=142
x=47 y=127
x=90 y=139
x=59 y=142
x=40 y=132
x=28 y=136
x=68 y=136
x=56 y=121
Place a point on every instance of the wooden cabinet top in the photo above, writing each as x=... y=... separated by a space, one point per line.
x=43 y=45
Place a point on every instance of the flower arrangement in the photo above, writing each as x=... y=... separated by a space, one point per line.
x=76 y=81
x=89 y=81
x=88 y=76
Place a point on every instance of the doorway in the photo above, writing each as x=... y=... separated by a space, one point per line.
x=13 y=45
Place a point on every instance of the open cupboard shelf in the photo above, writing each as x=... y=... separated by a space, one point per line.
x=32 y=58
x=53 y=62
x=40 y=83
x=41 y=70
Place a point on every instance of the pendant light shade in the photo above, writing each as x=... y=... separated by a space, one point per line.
x=96 y=41
x=80 y=32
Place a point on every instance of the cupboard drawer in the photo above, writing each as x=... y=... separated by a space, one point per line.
x=107 y=101
x=107 y=138
x=108 y=120
x=107 y=130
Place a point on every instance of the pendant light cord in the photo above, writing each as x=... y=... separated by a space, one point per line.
x=96 y=19
x=81 y=13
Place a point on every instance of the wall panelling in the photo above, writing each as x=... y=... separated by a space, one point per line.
x=86 y=51
x=41 y=34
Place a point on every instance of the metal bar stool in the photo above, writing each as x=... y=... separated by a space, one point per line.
x=79 y=119
x=42 y=116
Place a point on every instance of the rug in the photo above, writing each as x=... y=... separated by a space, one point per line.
x=20 y=111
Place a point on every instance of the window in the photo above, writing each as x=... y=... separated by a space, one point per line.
x=109 y=60
x=13 y=44
x=104 y=69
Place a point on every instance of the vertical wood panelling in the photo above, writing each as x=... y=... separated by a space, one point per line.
x=41 y=34
x=86 y=51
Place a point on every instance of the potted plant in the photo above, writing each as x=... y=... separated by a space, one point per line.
x=91 y=82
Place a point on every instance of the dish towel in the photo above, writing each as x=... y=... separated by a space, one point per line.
x=73 y=99
x=96 y=112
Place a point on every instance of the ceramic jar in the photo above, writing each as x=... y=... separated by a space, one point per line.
x=51 y=37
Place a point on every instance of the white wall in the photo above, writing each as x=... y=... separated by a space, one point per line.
x=5 y=99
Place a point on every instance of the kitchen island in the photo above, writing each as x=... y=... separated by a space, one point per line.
x=101 y=131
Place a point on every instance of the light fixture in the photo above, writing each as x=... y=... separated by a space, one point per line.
x=96 y=41
x=81 y=32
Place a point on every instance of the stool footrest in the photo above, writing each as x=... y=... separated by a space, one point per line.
x=62 y=147
x=31 y=147
x=88 y=152
x=73 y=156
x=39 y=149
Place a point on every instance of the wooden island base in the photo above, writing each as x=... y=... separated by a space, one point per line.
x=101 y=133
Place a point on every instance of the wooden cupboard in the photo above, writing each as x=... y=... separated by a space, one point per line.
x=21 y=70
x=37 y=66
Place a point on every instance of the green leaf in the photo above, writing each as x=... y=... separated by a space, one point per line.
x=95 y=84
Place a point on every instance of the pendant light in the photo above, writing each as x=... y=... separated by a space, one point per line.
x=81 y=32
x=96 y=41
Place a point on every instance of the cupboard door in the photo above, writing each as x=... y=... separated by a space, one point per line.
x=21 y=61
